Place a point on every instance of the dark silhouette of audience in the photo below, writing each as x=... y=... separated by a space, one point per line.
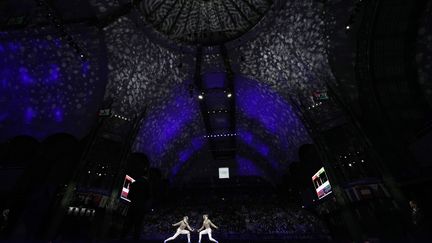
x=139 y=196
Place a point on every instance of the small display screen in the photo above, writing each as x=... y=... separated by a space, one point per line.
x=126 y=186
x=224 y=173
x=321 y=183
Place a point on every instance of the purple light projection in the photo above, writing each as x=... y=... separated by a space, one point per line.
x=30 y=114
x=185 y=155
x=58 y=115
x=146 y=75
x=170 y=120
x=246 y=167
x=267 y=126
x=54 y=73
x=40 y=91
x=214 y=80
x=170 y=125
x=85 y=68
x=269 y=133
x=249 y=139
x=25 y=76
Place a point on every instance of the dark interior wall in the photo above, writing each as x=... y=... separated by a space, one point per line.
x=343 y=44
x=423 y=51
x=391 y=105
x=421 y=143
x=394 y=71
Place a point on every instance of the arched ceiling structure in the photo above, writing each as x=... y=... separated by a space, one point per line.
x=277 y=51
x=203 y=21
x=283 y=59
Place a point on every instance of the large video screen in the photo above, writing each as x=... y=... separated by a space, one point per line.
x=321 y=183
x=126 y=185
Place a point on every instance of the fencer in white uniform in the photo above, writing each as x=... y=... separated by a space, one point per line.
x=206 y=229
x=182 y=229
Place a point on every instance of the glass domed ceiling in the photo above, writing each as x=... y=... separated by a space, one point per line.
x=203 y=21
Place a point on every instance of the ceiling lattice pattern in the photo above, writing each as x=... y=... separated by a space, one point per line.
x=203 y=21
x=290 y=51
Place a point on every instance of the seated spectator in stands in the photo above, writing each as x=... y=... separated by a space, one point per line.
x=419 y=230
x=4 y=219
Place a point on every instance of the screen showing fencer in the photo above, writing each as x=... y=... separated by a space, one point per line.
x=224 y=173
x=321 y=183
x=126 y=185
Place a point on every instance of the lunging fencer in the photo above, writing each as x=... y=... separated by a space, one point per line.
x=181 y=230
x=206 y=229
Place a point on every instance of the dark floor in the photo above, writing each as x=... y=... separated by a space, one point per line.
x=230 y=241
x=227 y=241
x=177 y=241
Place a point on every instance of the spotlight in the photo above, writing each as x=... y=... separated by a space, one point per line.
x=229 y=95
x=348 y=27
x=200 y=97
